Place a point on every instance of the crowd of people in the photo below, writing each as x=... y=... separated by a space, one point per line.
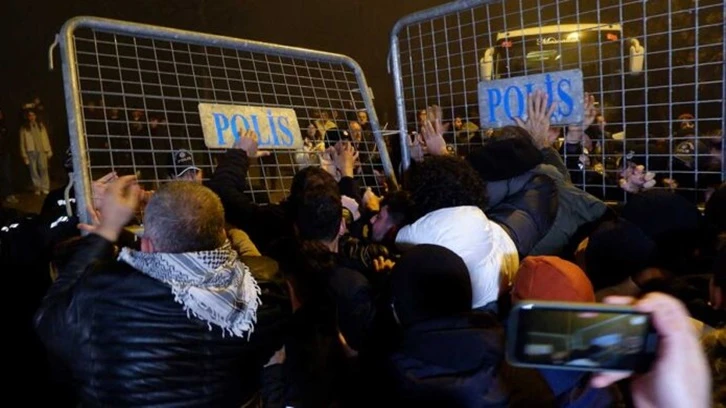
x=340 y=297
x=601 y=157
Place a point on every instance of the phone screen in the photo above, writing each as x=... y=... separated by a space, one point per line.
x=582 y=337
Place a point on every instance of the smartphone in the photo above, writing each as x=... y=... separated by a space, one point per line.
x=580 y=336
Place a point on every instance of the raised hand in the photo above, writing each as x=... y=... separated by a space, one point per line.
x=576 y=133
x=120 y=202
x=345 y=158
x=98 y=188
x=590 y=112
x=327 y=162
x=248 y=143
x=416 y=148
x=635 y=179
x=538 y=119
x=433 y=131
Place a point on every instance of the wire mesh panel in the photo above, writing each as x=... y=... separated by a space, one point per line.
x=656 y=69
x=133 y=93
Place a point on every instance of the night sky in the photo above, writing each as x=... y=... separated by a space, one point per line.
x=358 y=28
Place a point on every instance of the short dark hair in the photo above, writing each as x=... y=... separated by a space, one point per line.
x=315 y=205
x=183 y=216
x=399 y=205
x=319 y=214
x=443 y=182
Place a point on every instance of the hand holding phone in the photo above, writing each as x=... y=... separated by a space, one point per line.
x=680 y=375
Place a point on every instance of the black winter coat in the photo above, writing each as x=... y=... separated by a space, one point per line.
x=128 y=343
x=459 y=362
x=525 y=206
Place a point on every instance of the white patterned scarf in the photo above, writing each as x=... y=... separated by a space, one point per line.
x=214 y=285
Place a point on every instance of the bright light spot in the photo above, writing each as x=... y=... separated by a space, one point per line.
x=573 y=36
x=638 y=320
x=58 y=221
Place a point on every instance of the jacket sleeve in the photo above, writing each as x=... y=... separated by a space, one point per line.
x=572 y=151
x=46 y=140
x=552 y=157
x=57 y=319
x=262 y=223
x=23 y=146
x=272 y=392
x=355 y=304
x=528 y=215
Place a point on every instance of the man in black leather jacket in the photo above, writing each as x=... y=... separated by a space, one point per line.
x=179 y=323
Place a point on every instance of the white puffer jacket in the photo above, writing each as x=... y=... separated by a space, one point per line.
x=489 y=253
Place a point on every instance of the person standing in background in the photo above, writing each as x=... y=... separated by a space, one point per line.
x=6 y=183
x=35 y=149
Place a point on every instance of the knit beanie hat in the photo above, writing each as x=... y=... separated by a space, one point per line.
x=510 y=152
x=617 y=250
x=551 y=278
x=429 y=281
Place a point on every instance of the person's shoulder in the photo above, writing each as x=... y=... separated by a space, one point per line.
x=350 y=275
x=112 y=279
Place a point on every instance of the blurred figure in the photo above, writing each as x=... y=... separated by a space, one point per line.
x=356 y=132
x=6 y=181
x=363 y=121
x=185 y=299
x=323 y=124
x=464 y=130
x=137 y=123
x=449 y=355
x=686 y=125
x=714 y=344
x=673 y=223
x=395 y=212
x=616 y=257
x=553 y=279
x=717 y=289
x=715 y=217
x=35 y=150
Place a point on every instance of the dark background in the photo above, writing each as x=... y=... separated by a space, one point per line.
x=358 y=28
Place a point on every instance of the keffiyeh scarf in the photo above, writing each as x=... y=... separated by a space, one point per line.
x=213 y=285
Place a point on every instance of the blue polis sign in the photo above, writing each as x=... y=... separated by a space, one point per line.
x=276 y=128
x=500 y=101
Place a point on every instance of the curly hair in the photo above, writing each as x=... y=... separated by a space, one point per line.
x=445 y=182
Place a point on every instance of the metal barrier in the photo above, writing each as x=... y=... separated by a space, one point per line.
x=656 y=68
x=133 y=90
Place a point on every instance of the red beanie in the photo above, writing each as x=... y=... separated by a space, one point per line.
x=551 y=278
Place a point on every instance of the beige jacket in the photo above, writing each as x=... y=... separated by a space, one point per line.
x=27 y=143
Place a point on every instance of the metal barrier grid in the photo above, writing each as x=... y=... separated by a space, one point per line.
x=132 y=95
x=439 y=55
